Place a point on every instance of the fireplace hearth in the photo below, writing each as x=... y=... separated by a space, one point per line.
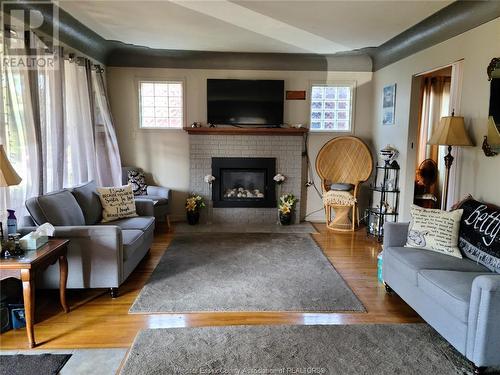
x=243 y=182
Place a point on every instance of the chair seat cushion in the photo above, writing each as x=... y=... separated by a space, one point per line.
x=450 y=289
x=409 y=261
x=341 y=187
x=143 y=223
x=132 y=240
x=157 y=200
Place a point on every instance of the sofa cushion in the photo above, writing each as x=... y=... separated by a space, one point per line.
x=450 y=289
x=410 y=261
x=132 y=240
x=480 y=233
x=59 y=208
x=117 y=202
x=88 y=199
x=143 y=223
x=434 y=229
x=138 y=182
x=157 y=200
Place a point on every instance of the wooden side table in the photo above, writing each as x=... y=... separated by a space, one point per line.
x=25 y=269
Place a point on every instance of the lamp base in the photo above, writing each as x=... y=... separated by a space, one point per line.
x=448 y=161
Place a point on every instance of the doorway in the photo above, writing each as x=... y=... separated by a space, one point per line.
x=435 y=92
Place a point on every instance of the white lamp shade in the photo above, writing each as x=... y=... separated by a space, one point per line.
x=8 y=175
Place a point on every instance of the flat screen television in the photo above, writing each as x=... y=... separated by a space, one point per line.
x=245 y=102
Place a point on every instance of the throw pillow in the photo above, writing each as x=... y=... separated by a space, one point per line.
x=480 y=233
x=117 y=202
x=138 y=181
x=435 y=230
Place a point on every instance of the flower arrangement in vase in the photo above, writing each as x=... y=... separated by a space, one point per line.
x=286 y=206
x=193 y=205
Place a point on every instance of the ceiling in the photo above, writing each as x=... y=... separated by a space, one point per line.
x=281 y=26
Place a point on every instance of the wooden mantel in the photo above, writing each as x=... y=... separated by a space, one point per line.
x=246 y=131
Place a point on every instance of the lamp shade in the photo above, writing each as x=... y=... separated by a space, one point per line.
x=8 y=175
x=451 y=132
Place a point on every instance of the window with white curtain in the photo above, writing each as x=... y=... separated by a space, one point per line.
x=49 y=129
x=161 y=104
x=332 y=107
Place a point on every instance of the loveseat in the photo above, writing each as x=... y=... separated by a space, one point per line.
x=100 y=255
x=459 y=298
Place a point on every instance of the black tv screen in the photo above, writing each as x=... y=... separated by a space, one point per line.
x=245 y=102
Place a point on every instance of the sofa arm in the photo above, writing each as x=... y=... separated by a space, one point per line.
x=95 y=257
x=483 y=331
x=159 y=191
x=395 y=234
x=144 y=207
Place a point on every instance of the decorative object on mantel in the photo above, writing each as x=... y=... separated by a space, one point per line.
x=286 y=207
x=196 y=124
x=491 y=142
x=389 y=105
x=450 y=132
x=193 y=205
x=343 y=160
x=209 y=179
x=8 y=177
x=231 y=130
x=295 y=95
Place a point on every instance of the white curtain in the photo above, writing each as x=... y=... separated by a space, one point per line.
x=57 y=130
x=79 y=146
x=51 y=103
x=108 y=155
x=18 y=135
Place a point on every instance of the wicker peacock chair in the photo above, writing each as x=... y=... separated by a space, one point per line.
x=343 y=160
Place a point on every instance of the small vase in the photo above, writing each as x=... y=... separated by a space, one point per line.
x=285 y=219
x=193 y=217
x=11 y=222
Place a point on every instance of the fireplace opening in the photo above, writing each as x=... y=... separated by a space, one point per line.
x=244 y=182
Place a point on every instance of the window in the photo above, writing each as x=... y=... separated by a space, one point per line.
x=161 y=104
x=332 y=107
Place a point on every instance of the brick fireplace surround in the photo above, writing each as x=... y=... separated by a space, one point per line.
x=285 y=148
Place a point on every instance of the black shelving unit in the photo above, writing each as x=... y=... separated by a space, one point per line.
x=385 y=195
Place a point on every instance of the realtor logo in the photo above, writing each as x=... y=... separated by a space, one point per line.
x=30 y=34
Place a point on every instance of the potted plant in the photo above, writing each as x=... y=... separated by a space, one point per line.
x=285 y=207
x=193 y=205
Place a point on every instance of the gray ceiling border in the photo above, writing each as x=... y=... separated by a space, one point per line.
x=448 y=22
x=455 y=19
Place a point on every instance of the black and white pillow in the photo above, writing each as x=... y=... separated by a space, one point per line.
x=480 y=233
x=138 y=182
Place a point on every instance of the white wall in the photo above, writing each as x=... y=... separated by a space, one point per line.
x=165 y=153
x=477 y=174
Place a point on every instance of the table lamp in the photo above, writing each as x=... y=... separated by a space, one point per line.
x=8 y=176
x=450 y=132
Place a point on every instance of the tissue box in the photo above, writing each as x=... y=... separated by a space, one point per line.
x=32 y=242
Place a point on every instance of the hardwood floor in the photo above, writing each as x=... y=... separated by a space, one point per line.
x=97 y=321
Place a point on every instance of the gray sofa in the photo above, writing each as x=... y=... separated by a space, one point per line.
x=459 y=298
x=99 y=255
x=159 y=195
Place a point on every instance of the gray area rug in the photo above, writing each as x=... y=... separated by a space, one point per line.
x=245 y=272
x=20 y=364
x=335 y=349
